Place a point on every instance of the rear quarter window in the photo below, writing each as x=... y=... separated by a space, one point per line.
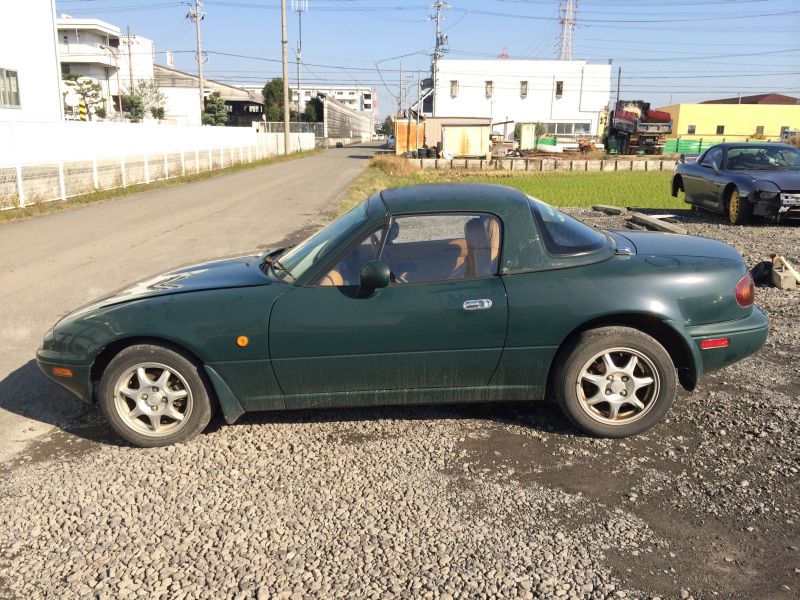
x=563 y=234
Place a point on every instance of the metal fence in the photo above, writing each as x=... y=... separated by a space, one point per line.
x=294 y=127
x=54 y=161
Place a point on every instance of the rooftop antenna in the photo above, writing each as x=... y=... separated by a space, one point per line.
x=568 y=15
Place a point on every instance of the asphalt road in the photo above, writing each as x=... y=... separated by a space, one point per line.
x=53 y=264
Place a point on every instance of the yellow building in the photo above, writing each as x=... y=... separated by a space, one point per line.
x=722 y=120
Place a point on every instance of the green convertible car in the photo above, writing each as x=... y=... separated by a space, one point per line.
x=425 y=294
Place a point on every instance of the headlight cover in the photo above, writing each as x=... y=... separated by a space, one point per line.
x=766 y=190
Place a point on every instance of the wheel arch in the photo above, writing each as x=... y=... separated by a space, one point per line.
x=677 y=184
x=218 y=390
x=112 y=349
x=656 y=327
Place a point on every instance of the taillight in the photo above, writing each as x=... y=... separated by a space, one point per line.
x=745 y=291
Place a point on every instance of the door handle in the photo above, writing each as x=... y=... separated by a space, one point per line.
x=482 y=304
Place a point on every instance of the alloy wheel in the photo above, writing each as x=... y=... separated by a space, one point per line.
x=153 y=399
x=618 y=386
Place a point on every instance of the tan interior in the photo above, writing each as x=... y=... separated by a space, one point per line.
x=474 y=255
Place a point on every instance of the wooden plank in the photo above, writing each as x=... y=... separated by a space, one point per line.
x=656 y=223
x=610 y=210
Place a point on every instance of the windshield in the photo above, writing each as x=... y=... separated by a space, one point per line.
x=298 y=260
x=563 y=234
x=763 y=158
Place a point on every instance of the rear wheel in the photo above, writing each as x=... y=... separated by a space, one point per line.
x=153 y=396
x=615 y=381
x=739 y=209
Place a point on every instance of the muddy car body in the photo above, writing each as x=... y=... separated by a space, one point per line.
x=424 y=294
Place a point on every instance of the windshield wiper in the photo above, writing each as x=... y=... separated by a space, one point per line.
x=276 y=264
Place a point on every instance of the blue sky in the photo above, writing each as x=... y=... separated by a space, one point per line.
x=678 y=50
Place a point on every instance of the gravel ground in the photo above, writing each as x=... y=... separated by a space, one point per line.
x=483 y=500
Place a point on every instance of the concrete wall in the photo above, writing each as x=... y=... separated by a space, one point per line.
x=543 y=164
x=83 y=157
x=182 y=106
x=586 y=90
x=28 y=46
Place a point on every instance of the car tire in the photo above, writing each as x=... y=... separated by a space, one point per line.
x=595 y=373
x=740 y=211
x=154 y=396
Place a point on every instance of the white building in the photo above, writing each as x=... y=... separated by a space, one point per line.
x=30 y=83
x=357 y=97
x=566 y=96
x=96 y=49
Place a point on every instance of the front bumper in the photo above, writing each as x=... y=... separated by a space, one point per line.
x=79 y=384
x=746 y=336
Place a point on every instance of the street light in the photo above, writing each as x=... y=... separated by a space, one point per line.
x=119 y=88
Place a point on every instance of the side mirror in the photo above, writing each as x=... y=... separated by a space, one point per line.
x=375 y=274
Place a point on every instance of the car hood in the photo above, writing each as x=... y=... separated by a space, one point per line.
x=669 y=244
x=785 y=180
x=241 y=271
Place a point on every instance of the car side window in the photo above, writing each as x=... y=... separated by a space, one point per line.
x=713 y=157
x=348 y=270
x=424 y=248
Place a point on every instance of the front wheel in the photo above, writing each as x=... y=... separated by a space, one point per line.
x=615 y=381
x=739 y=209
x=153 y=396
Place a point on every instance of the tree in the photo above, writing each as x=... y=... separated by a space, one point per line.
x=87 y=88
x=273 y=101
x=216 y=112
x=388 y=125
x=152 y=97
x=133 y=108
x=313 y=111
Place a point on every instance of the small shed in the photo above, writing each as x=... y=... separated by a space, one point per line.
x=407 y=136
x=466 y=140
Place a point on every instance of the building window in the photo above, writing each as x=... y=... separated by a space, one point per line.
x=691 y=129
x=9 y=88
x=760 y=130
x=65 y=39
x=453 y=88
x=489 y=89
x=720 y=129
x=559 y=88
x=568 y=128
x=523 y=89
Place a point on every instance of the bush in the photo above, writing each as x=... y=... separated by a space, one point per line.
x=394 y=165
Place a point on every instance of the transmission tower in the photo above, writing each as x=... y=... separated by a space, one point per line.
x=568 y=15
x=441 y=42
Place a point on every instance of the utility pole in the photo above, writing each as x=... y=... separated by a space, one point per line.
x=441 y=42
x=568 y=15
x=197 y=16
x=299 y=6
x=619 y=79
x=400 y=90
x=285 y=60
x=130 y=62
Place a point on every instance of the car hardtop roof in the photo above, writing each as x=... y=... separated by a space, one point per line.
x=451 y=197
x=727 y=145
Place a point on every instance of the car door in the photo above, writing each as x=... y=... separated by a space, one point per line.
x=709 y=183
x=441 y=323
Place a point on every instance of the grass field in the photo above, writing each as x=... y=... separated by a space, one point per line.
x=633 y=189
